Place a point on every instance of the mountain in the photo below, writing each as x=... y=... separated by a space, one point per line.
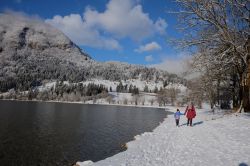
x=32 y=52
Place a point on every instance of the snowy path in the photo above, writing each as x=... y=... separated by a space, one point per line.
x=223 y=141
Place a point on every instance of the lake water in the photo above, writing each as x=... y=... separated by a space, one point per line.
x=37 y=133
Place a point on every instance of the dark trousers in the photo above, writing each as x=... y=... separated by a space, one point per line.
x=177 y=122
x=189 y=122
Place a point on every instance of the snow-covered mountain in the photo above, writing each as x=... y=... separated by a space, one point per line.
x=32 y=52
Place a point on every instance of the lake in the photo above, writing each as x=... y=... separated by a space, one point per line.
x=39 y=133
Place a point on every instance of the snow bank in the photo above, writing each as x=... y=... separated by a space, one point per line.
x=215 y=139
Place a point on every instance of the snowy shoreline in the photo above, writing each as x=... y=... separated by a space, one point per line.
x=136 y=137
x=215 y=139
x=105 y=104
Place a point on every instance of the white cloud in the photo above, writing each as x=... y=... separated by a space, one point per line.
x=149 y=58
x=171 y=66
x=177 y=65
x=161 y=25
x=148 y=47
x=78 y=31
x=120 y=19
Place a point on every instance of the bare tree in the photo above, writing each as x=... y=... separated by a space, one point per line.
x=197 y=90
x=172 y=94
x=219 y=33
x=125 y=101
x=143 y=100
x=152 y=101
x=94 y=99
x=162 y=97
x=136 y=99
x=109 y=99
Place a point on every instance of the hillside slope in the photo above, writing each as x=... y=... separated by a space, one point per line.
x=32 y=51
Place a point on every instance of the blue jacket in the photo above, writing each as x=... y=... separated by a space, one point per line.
x=178 y=114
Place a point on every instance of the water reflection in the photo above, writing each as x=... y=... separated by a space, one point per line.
x=36 y=133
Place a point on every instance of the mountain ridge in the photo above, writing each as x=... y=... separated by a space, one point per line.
x=32 y=51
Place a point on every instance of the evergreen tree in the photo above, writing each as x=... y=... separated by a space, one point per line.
x=156 y=89
x=130 y=90
x=146 y=88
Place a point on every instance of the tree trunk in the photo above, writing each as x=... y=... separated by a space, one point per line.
x=246 y=83
x=241 y=92
x=218 y=93
x=235 y=90
x=246 y=94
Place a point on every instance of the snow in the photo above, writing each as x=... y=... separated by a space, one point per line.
x=215 y=139
x=49 y=85
x=120 y=98
x=135 y=82
x=113 y=84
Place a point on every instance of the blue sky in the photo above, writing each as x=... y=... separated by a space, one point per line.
x=133 y=31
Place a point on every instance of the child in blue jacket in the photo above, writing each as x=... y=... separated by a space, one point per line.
x=177 y=116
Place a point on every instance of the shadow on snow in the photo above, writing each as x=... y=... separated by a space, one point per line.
x=194 y=124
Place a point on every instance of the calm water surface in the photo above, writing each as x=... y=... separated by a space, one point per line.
x=37 y=133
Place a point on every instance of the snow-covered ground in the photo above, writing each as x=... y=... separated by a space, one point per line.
x=217 y=139
x=146 y=99
x=135 y=82
x=113 y=84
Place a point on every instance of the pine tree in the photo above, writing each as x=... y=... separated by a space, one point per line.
x=156 y=89
x=146 y=88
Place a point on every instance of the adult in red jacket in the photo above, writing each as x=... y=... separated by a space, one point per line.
x=190 y=114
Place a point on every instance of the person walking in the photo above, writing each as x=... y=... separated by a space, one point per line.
x=190 y=114
x=177 y=116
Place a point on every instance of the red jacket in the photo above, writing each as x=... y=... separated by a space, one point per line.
x=190 y=112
